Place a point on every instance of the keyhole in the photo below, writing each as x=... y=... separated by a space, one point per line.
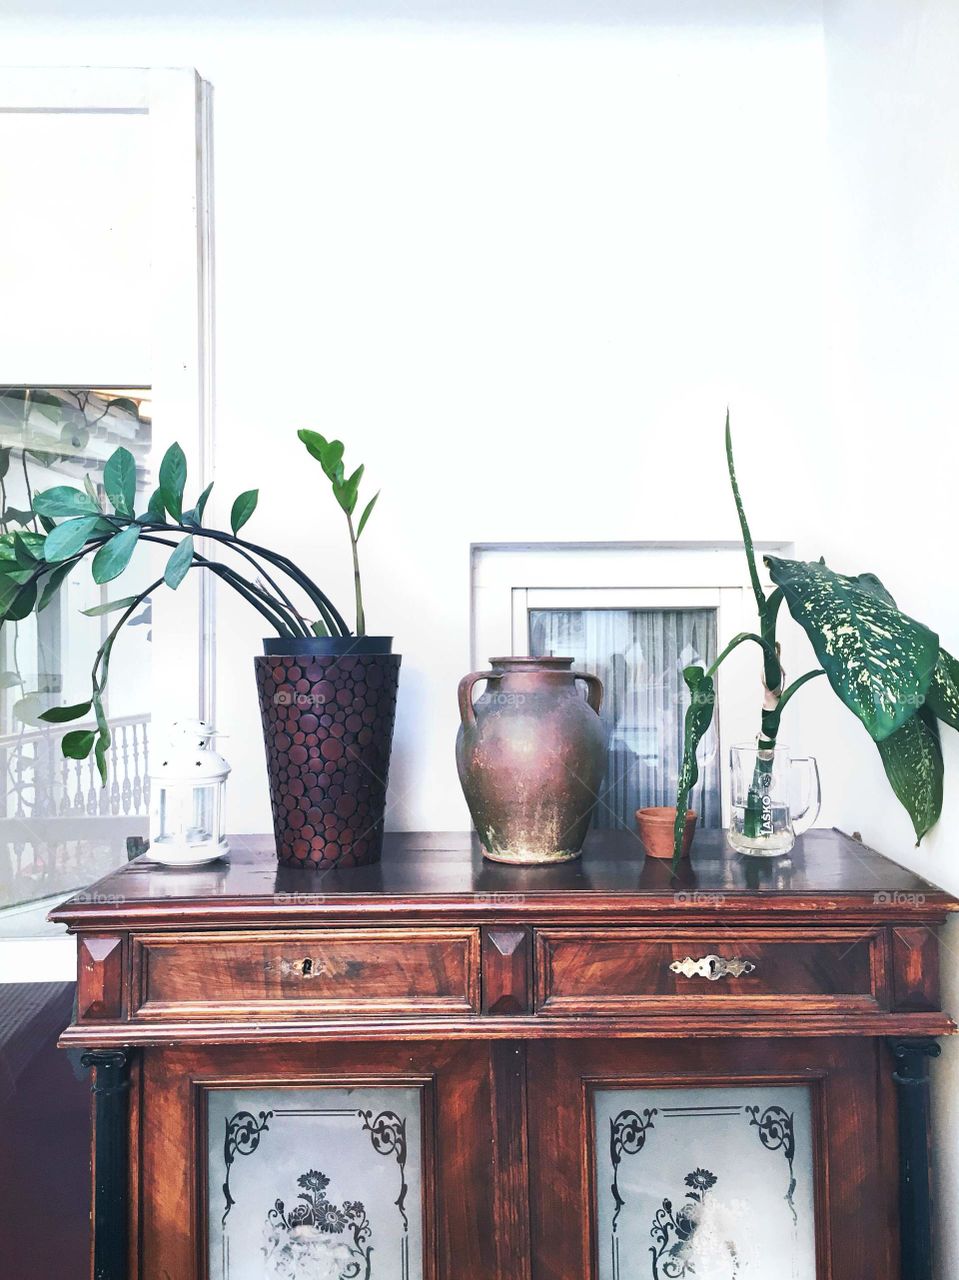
x=307 y=968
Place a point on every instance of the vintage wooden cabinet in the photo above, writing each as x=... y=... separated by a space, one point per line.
x=439 y=1068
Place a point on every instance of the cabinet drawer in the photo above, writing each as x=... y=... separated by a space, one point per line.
x=310 y=972
x=645 y=971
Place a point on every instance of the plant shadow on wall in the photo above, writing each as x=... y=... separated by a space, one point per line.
x=889 y=670
x=327 y=695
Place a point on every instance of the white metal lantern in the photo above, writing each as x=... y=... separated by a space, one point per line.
x=187 y=790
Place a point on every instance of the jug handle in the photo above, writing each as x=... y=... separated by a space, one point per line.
x=594 y=689
x=465 y=693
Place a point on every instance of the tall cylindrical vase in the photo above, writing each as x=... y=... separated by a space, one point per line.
x=328 y=707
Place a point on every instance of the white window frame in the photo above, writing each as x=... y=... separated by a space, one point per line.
x=508 y=580
x=178 y=169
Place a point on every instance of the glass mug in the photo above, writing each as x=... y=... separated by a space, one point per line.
x=775 y=797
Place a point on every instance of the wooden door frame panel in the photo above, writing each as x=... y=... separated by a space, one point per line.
x=567 y=1077
x=455 y=1079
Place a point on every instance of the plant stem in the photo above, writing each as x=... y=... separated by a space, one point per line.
x=357 y=586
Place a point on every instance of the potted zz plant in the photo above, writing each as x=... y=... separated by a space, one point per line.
x=327 y=695
x=889 y=670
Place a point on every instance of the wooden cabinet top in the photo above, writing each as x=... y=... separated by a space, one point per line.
x=443 y=877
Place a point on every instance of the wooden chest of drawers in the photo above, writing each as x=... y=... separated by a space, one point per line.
x=503 y=998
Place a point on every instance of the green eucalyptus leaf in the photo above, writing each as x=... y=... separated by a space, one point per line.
x=878 y=660
x=912 y=758
x=243 y=508
x=91 y=491
x=78 y=744
x=51 y=585
x=68 y=538
x=366 y=514
x=110 y=606
x=120 y=480
x=47 y=524
x=64 y=500
x=699 y=716
x=195 y=515
x=18 y=602
x=156 y=511
x=178 y=565
x=943 y=695
x=347 y=492
x=328 y=453
x=173 y=480
x=44 y=457
x=114 y=556
x=28 y=554
x=61 y=715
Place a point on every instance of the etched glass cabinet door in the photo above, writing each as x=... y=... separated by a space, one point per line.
x=711 y=1160
x=323 y=1162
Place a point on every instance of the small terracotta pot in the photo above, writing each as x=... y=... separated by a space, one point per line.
x=656 y=830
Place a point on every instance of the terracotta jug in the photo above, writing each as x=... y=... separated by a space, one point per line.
x=531 y=755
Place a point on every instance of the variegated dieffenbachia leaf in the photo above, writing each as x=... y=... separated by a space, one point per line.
x=699 y=716
x=912 y=758
x=943 y=695
x=879 y=661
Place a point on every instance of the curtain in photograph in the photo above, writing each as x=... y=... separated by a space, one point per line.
x=639 y=655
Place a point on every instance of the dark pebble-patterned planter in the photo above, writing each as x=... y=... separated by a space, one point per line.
x=328 y=730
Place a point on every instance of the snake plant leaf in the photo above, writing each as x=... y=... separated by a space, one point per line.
x=120 y=480
x=173 y=480
x=699 y=716
x=178 y=564
x=912 y=758
x=64 y=500
x=114 y=556
x=68 y=538
x=878 y=660
x=61 y=715
x=78 y=744
x=943 y=695
x=243 y=508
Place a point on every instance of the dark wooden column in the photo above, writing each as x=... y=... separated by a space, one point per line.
x=110 y=1089
x=911 y=1075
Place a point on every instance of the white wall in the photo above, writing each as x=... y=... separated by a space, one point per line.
x=520 y=266
x=889 y=447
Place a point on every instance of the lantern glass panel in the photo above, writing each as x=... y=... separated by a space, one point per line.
x=202 y=824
